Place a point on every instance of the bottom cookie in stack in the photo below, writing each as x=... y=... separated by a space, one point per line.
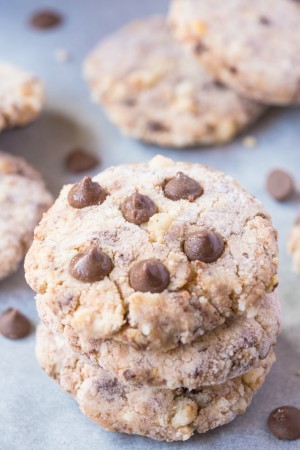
x=162 y=414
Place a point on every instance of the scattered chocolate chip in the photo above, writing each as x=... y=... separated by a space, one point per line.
x=233 y=70
x=182 y=187
x=200 y=48
x=264 y=20
x=79 y=160
x=157 y=126
x=280 y=184
x=90 y=266
x=14 y=325
x=284 y=422
x=86 y=193
x=205 y=246
x=138 y=208
x=45 y=19
x=149 y=275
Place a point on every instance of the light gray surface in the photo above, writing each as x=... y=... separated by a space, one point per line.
x=34 y=413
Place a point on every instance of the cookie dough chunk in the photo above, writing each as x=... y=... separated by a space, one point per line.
x=225 y=353
x=251 y=46
x=158 y=93
x=294 y=245
x=136 y=282
x=23 y=200
x=21 y=96
x=162 y=414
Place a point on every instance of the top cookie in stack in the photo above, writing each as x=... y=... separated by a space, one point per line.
x=251 y=46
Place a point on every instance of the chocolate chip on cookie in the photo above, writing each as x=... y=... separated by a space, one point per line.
x=183 y=187
x=138 y=208
x=280 y=184
x=284 y=422
x=90 y=266
x=45 y=19
x=80 y=160
x=149 y=275
x=205 y=246
x=86 y=193
x=14 y=325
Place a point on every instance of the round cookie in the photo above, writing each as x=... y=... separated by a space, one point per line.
x=162 y=414
x=85 y=234
x=224 y=353
x=294 y=245
x=23 y=200
x=158 y=93
x=251 y=46
x=21 y=96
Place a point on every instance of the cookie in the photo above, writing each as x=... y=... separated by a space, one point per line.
x=294 y=245
x=252 y=47
x=23 y=200
x=152 y=254
x=21 y=96
x=224 y=353
x=158 y=93
x=161 y=414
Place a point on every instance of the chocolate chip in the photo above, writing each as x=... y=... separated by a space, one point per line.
x=90 y=266
x=128 y=374
x=79 y=160
x=86 y=193
x=284 y=422
x=45 y=19
x=14 y=325
x=149 y=275
x=205 y=246
x=280 y=184
x=200 y=48
x=233 y=70
x=264 y=20
x=182 y=187
x=138 y=208
x=156 y=126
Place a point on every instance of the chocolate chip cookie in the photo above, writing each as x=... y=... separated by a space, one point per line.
x=161 y=414
x=251 y=46
x=152 y=255
x=23 y=200
x=21 y=96
x=158 y=93
x=219 y=355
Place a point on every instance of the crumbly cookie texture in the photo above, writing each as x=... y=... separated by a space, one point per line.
x=159 y=94
x=224 y=353
x=162 y=414
x=294 y=245
x=23 y=200
x=241 y=42
x=21 y=96
x=199 y=296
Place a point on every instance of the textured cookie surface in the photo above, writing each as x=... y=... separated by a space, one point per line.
x=21 y=96
x=294 y=245
x=23 y=199
x=159 y=94
x=224 y=353
x=251 y=46
x=161 y=414
x=198 y=295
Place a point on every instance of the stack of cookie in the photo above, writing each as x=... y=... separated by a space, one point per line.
x=155 y=288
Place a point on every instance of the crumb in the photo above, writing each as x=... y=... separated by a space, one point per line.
x=61 y=55
x=249 y=142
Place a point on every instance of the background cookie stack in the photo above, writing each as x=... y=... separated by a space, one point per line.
x=155 y=289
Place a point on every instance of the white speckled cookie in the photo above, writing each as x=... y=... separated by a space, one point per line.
x=224 y=353
x=23 y=199
x=294 y=245
x=251 y=46
x=152 y=254
x=162 y=414
x=158 y=93
x=21 y=96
